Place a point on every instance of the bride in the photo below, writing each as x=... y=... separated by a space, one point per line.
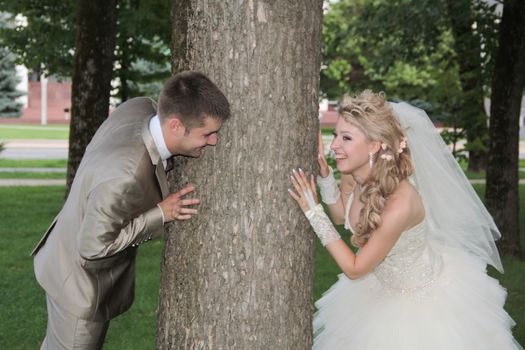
x=418 y=280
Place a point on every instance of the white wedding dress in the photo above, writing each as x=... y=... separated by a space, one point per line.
x=423 y=296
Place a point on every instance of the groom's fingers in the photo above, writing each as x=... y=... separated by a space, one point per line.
x=187 y=211
x=185 y=190
x=190 y=201
x=183 y=217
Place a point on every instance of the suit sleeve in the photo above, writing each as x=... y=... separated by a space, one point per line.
x=113 y=220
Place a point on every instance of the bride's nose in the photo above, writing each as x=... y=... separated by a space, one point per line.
x=335 y=144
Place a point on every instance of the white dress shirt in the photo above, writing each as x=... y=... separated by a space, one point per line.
x=156 y=132
x=158 y=138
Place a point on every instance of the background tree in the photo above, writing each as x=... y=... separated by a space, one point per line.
x=141 y=51
x=435 y=54
x=9 y=106
x=464 y=20
x=43 y=37
x=507 y=93
x=95 y=43
x=239 y=275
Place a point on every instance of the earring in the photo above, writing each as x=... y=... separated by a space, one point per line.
x=370 y=160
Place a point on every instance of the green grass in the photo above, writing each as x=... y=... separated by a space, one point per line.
x=15 y=131
x=33 y=163
x=25 y=213
x=27 y=175
x=481 y=174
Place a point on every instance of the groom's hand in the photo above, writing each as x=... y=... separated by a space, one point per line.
x=175 y=207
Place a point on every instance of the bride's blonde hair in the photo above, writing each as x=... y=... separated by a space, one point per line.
x=374 y=116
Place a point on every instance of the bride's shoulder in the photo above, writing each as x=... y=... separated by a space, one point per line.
x=404 y=193
x=406 y=202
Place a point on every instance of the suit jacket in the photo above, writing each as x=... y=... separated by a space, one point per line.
x=86 y=259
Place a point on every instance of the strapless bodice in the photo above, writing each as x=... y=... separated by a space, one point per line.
x=411 y=263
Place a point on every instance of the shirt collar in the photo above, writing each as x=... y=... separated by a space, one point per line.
x=158 y=138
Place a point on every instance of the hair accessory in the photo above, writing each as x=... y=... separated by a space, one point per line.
x=387 y=157
x=402 y=145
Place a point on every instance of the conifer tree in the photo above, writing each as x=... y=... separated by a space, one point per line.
x=9 y=106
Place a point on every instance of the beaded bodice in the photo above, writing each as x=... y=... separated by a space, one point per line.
x=411 y=263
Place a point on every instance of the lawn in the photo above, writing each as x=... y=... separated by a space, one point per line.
x=24 y=217
x=33 y=163
x=32 y=175
x=25 y=213
x=16 y=131
x=36 y=163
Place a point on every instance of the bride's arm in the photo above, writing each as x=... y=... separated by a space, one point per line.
x=332 y=195
x=394 y=221
x=395 y=218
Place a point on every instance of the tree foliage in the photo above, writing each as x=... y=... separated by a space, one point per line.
x=44 y=39
x=9 y=106
x=409 y=50
x=43 y=36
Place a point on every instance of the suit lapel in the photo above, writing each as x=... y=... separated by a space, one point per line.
x=155 y=158
x=161 y=178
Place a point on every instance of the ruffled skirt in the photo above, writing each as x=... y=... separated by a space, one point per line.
x=461 y=309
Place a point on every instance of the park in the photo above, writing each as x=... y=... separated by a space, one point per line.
x=245 y=272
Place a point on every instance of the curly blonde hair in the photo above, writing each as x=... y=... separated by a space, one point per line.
x=374 y=116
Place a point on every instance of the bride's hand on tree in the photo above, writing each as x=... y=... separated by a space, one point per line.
x=305 y=193
x=323 y=165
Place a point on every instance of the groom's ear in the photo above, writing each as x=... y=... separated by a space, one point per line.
x=175 y=124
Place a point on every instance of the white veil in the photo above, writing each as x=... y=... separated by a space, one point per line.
x=455 y=214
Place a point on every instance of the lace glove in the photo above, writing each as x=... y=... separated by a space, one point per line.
x=328 y=186
x=306 y=197
x=323 y=227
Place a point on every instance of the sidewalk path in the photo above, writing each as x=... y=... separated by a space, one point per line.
x=33 y=170
x=35 y=149
x=32 y=182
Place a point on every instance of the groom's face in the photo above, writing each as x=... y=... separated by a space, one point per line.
x=191 y=141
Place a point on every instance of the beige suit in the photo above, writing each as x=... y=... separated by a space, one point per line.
x=86 y=259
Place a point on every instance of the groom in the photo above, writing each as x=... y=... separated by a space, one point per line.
x=119 y=199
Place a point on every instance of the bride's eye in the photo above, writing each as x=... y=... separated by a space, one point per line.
x=347 y=138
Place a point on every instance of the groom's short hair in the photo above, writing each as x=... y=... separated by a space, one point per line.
x=192 y=96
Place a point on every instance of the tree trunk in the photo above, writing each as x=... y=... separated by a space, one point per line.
x=95 y=42
x=240 y=274
x=468 y=51
x=502 y=195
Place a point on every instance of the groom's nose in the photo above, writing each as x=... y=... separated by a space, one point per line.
x=213 y=139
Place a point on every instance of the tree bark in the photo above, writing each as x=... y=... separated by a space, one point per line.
x=240 y=274
x=502 y=195
x=468 y=52
x=95 y=43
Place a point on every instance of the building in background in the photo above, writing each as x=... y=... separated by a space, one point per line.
x=58 y=98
